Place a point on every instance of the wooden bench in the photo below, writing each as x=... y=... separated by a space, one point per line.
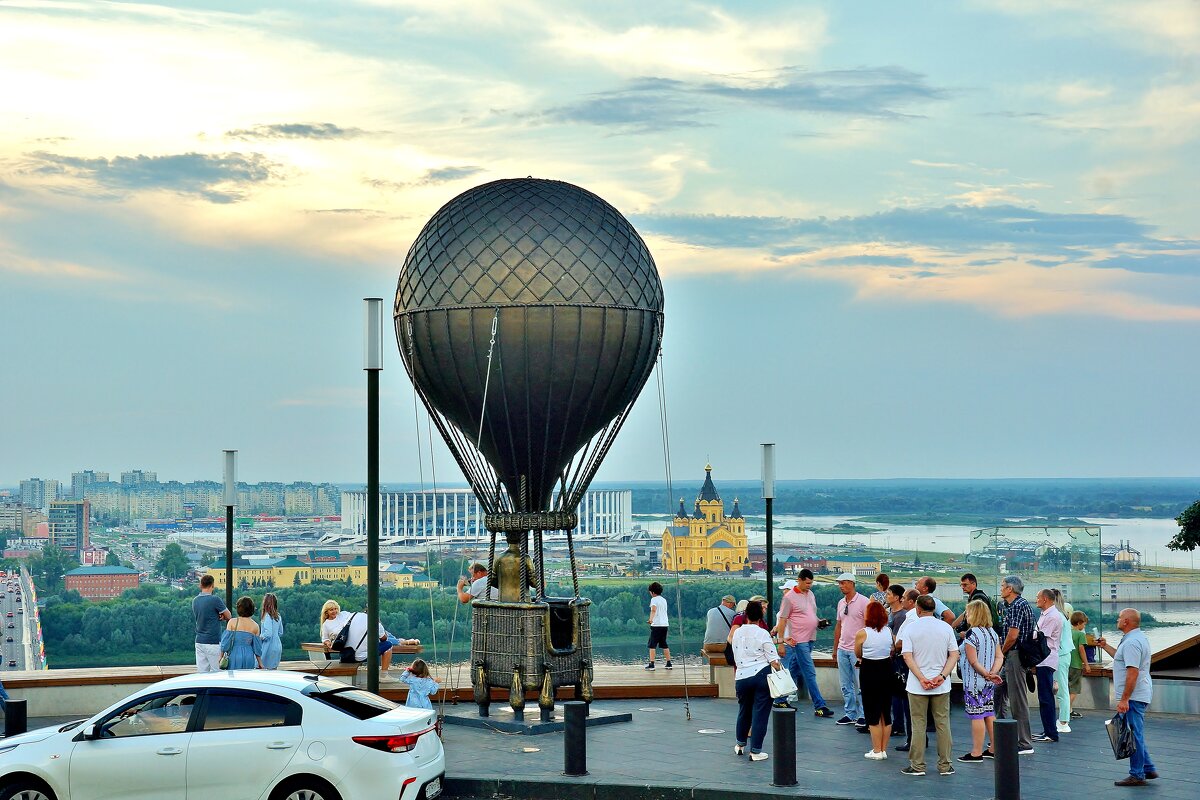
x=319 y=653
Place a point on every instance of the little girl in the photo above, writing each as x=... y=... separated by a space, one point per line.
x=420 y=684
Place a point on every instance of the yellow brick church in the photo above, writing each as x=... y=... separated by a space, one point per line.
x=706 y=539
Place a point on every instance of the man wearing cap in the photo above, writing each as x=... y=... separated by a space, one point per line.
x=797 y=628
x=851 y=614
x=719 y=621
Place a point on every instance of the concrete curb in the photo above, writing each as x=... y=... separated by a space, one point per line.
x=591 y=788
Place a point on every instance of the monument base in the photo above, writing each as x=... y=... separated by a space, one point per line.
x=503 y=720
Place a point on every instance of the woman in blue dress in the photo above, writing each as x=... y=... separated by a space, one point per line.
x=271 y=633
x=240 y=639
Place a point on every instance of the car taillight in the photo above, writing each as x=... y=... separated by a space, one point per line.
x=396 y=743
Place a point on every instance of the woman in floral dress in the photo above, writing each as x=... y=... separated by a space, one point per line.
x=981 y=675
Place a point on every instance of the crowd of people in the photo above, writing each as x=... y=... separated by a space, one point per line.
x=898 y=650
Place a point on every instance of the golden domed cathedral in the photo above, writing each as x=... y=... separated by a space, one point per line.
x=706 y=539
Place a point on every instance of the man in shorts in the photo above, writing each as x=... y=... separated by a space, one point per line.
x=210 y=611
x=659 y=623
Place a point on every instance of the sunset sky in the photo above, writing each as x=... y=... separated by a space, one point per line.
x=897 y=239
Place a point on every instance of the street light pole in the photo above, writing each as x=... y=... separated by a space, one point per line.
x=372 y=364
x=768 y=493
x=230 y=502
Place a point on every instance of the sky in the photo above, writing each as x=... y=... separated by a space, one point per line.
x=896 y=239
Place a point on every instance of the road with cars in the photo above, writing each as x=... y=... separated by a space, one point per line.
x=19 y=636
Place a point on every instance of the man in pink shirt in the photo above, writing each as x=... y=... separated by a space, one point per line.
x=798 y=616
x=851 y=614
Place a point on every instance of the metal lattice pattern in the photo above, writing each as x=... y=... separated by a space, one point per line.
x=528 y=241
x=509 y=636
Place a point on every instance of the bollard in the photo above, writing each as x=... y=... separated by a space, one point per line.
x=783 y=737
x=15 y=719
x=575 y=715
x=1008 y=770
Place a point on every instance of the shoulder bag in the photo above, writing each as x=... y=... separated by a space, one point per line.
x=728 y=644
x=224 y=662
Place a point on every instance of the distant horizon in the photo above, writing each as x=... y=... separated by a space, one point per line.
x=721 y=481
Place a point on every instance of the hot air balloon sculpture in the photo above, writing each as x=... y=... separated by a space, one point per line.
x=529 y=314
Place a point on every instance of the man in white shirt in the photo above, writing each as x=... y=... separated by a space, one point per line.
x=927 y=586
x=659 y=624
x=478 y=585
x=930 y=651
x=356 y=637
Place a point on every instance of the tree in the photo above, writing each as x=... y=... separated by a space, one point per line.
x=172 y=561
x=296 y=579
x=112 y=559
x=48 y=568
x=1188 y=537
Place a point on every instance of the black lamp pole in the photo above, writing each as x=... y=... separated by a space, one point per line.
x=230 y=502
x=372 y=364
x=768 y=493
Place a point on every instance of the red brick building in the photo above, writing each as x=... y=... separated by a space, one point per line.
x=101 y=583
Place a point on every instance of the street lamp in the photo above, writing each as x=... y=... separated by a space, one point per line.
x=230 y=502
x=768 y=493
x=372 y=364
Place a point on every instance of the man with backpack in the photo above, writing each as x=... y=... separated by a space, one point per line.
x=970 y=589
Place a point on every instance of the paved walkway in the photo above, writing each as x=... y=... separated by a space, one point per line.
x=662 y=754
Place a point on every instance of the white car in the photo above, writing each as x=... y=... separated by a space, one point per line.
x=238 y=735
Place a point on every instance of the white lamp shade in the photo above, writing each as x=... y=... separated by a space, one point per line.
x=231 y=477
x=768 y=471
x=372 y=333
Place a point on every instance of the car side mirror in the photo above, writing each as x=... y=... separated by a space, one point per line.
x=90 y=733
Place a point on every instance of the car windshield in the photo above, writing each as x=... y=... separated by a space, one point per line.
x=358 y=703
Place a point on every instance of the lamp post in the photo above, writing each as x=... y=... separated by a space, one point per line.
x=768 y=493
x=230 y=502
x=372 y=364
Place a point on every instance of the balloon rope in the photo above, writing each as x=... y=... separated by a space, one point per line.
x=487 y=378
x=666 y=439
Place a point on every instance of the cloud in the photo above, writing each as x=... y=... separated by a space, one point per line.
x=1003 y=259
x=650 y=104
x=297 y=130
x=711 y=42
x=219 y=178
x=1151 y=25
x=1079 y=92
x=438 y=175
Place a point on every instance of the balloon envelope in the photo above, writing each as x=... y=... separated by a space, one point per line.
x=578 y=305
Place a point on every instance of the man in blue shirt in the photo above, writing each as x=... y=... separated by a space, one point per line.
x=1133 y=690
x=209 y=611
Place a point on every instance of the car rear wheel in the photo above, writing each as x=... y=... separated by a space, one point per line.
x=302 y=788
x=25 y=790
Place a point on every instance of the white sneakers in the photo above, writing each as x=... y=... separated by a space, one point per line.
x=738 y=749
x=759 y=756
x=1064 y=727
x=874 y=756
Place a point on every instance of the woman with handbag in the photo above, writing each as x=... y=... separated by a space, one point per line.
x=981 y=676
x=240 y=642
x=873 y=647
x=756 y=657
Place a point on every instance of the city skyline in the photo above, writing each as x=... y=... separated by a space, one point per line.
x=918 y=241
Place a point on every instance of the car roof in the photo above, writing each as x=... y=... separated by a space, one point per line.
x=241 y=679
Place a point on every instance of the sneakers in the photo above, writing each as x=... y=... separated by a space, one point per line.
x=1076 y=715
x=1064 y=727
x=1028 y=751
x=1130 y=781
x=862 y=722
x=739 y=749
x=669 y=664
x=946 y=772
x=822 y=712
x=1041 y=737
x=649 y=666
x=989 y=753
x=875 y=756
x=759 y=756
x=899 y=733
x=903 y=748
x=781 y=703
x=845 y=721
x=911 y=770
x=967 y=758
